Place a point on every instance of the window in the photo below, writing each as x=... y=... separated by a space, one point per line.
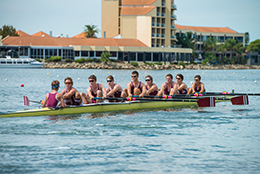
x=84 y=53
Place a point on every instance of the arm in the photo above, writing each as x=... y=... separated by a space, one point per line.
x=112 y=92
x=129 y=89
x=45 y=101
x=143 y=90
x=174 y=89
x=104 y=91
x=202 y=88
x=153 y=88
x=60 y=97
x=183 y=86
x=69 y=94
x=89 y=93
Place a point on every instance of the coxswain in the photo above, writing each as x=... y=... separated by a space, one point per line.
x=151 y=88
x=197 y=86
x=169 y=87
x=53 y=98
x=114 y=89
x=135 y=87
x=70 y=94
x=181 y=87
x=94 y=90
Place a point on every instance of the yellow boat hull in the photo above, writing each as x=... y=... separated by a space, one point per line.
x=100 y=107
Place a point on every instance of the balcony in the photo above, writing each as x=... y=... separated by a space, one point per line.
x=163 y=35
x=157 y=35
x=163 y=25
x=163 y=14
x=158 y=24
x=174 y=6
x=173 y=26
x=153 y=34
x=163 y=4
x=153 y=23
x=173 y=16
x=173 y=36
x=158 y=14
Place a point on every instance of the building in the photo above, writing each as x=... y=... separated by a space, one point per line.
x=150 y=21
x=220 y=34
x=41 y=45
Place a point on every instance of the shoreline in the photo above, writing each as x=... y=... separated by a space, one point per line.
x=142 y=66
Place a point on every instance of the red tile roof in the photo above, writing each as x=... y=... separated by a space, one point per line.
x=136 y=10
x=137 y=2
x=206 y=29
x=66 y=42
x=21 y=33
x=81 y=35
x=41 y=33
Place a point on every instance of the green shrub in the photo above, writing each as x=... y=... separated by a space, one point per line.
x=55 y=59
x=68 y=60
x=148 y=63
x=96 y=60
x=158 y=63
x=89 y=60
x=134 y=63
x=182 y=63
x=105 y=57
x=39 y=60
x=204 y=62
x=80 y=60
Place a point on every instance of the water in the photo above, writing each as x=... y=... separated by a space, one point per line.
x=224 y=139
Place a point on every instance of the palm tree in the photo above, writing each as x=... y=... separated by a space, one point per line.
x=231 y=46
x=91 y=31
x=187 y=40
x=210 y=45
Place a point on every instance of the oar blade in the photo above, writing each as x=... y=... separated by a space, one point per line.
x=240 y=100
x=206 y=102
x=26 y=100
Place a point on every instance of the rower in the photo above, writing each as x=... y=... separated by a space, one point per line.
x=70 y=94
x=135 y=87
x=53 y=98
x=151 y=88
x=181 y=87
x=94 y=90
x=114 y=89
x=197 y=86
x=169 y=87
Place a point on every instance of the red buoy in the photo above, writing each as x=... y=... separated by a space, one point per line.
x=22 y=85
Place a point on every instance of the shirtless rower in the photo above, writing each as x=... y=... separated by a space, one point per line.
x=151 y=88
x=169 y=87
x=181 y=87
x=114 y=89
x=53 y=98
x=70 y=94
x=197 y=86
x=94 y=90
x=135 y=87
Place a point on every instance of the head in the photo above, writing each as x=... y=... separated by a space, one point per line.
x=55 y=84
x=169 y=78
x=197 y=78
x=68 y=82
x=134 y=75
x=179 y=77
x=92 y=79
x=110 y=79
x=149 y=79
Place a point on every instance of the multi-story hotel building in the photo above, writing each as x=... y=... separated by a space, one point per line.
x=150 y=21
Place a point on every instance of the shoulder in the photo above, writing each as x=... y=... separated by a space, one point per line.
x=129 y=84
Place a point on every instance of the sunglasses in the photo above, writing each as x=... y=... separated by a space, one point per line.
x=196 y=79
x=134 y=76
x=67 y=83
x=178 y=78
x=91 y=80
x=109 y=80
x=147 y=80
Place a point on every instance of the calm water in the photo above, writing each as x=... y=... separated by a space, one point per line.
x=224 y=139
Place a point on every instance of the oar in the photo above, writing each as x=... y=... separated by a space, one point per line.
x=169 y=97
x=227 y=93
x=202 y=102
x=26 y=101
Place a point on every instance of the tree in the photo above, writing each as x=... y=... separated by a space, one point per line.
x=8 y=30
x=231 y=44
x=254 y=46
x=246 y=38
x=187 y=40
x=91 y=31
x=105 y=57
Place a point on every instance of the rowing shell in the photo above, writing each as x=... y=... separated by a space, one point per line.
x=100 y=107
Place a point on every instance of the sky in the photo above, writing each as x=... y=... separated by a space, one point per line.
x=68 y=17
